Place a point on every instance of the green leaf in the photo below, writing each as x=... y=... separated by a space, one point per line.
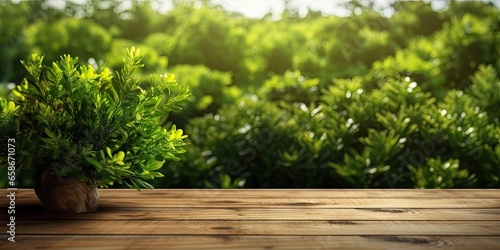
x=96 y=164
x=50 y=134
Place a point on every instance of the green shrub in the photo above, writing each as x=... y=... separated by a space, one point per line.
x=359 y=101
x=484 y=89
x=13 y=45
x=446 y=59
x=439 y=174
x=153 y=62
x=413 y=19
x=92 y=126
x=254 y=145
x=68 y=36
x=290 y=87
x=271 y=47
x=396 y=135
x=206 y=36
x=210 y=90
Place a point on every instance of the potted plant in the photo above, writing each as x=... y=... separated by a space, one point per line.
x=80 y=128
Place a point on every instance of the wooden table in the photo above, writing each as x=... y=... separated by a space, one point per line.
x=263 y=219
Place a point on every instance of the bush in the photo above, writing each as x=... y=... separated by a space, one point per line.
x=93 y=126
x=153 y=62
x=446 y=59
x=68 y=36
x=485 y=83
x=254 y=145
x=210 y=90
x=290 y=87
x=205 y=36
x=395 y=135
x=409 y=100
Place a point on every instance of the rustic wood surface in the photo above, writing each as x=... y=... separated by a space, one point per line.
x=263 y=219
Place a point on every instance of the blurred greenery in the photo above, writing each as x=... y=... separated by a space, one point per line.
x=407 y=100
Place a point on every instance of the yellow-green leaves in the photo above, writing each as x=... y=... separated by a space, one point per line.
x=171 y=78
x=56 y=68
x=175 y=142
x=34 y=65
x=176 y=134
x=134 y=57
x=134 y=52
x=117 y=158
x=11 y=106
x=166 y=82
x=88 y=73
x=8 y=108
x=105 y=75
x=19 y=90
x=150 y=175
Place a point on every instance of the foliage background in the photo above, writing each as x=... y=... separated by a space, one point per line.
x=409 y=100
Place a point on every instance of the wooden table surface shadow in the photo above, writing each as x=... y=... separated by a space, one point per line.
x=263 y=219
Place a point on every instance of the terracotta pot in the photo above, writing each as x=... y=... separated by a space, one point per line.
x=65 y=195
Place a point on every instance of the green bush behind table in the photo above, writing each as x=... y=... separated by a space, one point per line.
x=410 y=100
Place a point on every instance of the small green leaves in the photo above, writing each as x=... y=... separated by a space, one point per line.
x=105 y=75
x=117 y=158
x=485 y=89
x=88 y=73
x=8 y=108
x=34 y=65
x=95 y=163
x=108 y=150
x=440 y=174
x=176 y=134
x=170 y=78
x=51 y=134
x=146 y=175
x=138 y=183
x=176 y=102
x=134 y=57
x=11 y=106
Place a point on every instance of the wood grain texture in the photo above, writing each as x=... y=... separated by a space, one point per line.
x=120 y=213
x=268 y=227
x=231 y=242
x=264 y=219
x=289 y=193
x=271 y=203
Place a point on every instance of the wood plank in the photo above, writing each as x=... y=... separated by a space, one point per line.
x=288 y=193
x=450 y=203
x=252 y=242
x=308 y=193
x=333 y=227
x=313 y=193
x=311 y=214
x=304 y=202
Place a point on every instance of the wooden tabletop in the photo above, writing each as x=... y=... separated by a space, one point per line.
x=263 y=219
